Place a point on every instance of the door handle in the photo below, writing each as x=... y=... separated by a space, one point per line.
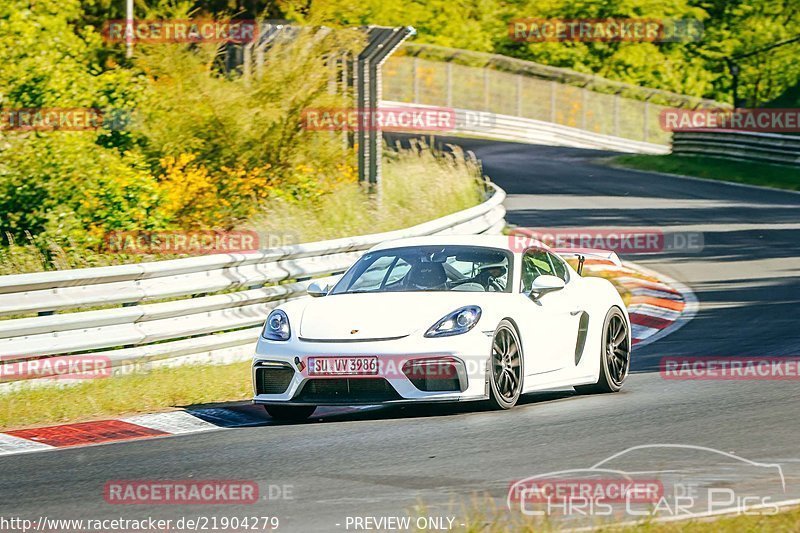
x=576 y=312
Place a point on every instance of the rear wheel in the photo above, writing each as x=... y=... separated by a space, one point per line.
x=290 y=412
x=505 y=380
x=615 y=355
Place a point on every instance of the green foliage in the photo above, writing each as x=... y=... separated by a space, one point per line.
x=64 y=186
x=732 y=27
x=239 y=121
x=418 y=185
x=202 y=150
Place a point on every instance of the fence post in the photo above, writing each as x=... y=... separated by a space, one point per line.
x=260 y=61
x=346 y=83
x=381 y=43
x=247 y=61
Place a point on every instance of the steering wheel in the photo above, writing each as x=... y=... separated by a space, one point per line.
x=493 y=283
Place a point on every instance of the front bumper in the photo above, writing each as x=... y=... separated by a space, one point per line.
x=410 y=369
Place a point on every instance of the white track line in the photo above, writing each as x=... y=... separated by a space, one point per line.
x=10 y=444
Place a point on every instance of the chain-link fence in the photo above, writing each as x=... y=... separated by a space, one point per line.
x=432 y=75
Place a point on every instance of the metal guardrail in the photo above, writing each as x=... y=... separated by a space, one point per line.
x=526 y=130
x=739 y=145
x=166 y=311
x=448 y=77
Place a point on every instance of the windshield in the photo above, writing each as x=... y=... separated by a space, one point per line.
x=429 y=268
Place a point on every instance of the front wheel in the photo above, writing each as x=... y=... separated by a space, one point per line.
x=615 y=355
x=290 y=412
x=505 y=379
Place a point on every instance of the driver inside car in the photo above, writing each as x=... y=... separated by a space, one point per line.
x=427 y=276
x=492 y=277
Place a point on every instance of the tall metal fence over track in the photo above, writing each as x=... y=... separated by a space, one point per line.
x=358 y=76
x=739 y=145
x=198 y=309
x=438 y=76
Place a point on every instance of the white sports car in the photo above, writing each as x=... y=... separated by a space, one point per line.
x=444 y=319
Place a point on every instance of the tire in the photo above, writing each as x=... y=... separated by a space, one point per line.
x=505 y=367
x=290 y=412
x=615 y=355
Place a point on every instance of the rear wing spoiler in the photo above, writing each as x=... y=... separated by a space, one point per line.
x=589 y=253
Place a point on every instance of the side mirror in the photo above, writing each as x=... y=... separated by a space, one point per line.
x=317 y=289
x=544 y=284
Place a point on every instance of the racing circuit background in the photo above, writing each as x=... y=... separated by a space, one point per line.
x=732 y=295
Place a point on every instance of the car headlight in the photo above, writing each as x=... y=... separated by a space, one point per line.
x=459 y=321
x=277 y=327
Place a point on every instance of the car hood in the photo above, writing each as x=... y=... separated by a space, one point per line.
x=354 y=317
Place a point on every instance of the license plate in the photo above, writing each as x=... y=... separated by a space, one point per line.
x=342 y=366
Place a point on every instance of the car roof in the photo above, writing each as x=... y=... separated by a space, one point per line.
x=504 y=242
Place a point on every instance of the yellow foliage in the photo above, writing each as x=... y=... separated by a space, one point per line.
x=189 y=196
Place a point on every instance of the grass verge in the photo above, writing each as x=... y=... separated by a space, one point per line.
x=496 y=520
x=417 y=185
x=784 y=522
x=155 y=390
x=766 y=175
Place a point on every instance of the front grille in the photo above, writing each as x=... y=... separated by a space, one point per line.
x=344 y=390
x=273 y=380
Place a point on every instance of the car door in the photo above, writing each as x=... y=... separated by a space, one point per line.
x=551 y=322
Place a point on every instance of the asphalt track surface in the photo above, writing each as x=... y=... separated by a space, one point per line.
x=386 y=461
